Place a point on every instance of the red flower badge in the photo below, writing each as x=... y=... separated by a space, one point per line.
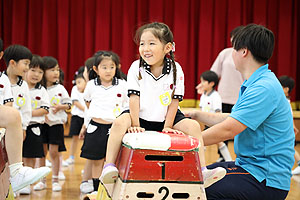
x=171 y=86
x=38 y=98
x=59 y=94
x=1 y=86
x=119 y=95
x=20 y=95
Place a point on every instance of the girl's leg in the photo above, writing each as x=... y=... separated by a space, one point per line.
x=54 y=155
x=86 y=185
x=224 y=151
x=29 y=162
x=73 y=149
x=117 y=131
x=96 y=172
x=192 y=127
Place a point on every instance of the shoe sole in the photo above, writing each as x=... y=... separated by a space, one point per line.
x=218 y=176
x=109 y=177
x=35 y=179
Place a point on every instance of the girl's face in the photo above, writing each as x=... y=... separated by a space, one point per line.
x=106 y=70
x=80 y=83
x=34 y=75
x=52 y=75
x=152 y=50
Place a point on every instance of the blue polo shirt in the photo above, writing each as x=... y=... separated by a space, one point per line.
x=266 y=147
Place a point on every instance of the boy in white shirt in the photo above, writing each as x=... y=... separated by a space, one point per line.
x=10 y=119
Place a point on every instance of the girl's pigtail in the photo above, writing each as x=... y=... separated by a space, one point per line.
x=141 y=64
x=174 y=71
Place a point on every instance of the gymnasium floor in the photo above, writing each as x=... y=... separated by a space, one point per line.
x=71 y=190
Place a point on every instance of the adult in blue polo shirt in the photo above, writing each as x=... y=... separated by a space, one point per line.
x=261 y=124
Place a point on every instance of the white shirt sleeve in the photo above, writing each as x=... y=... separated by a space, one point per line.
x=26 y=110
x=133 y=79
x=45 y=103
x=74 y=94
x=179 y=90
x=7 y=94
x=87 y=93
x=65 y=97
x=217 y=102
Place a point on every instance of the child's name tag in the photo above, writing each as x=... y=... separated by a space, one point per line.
x=165 y=99
x=20 y=101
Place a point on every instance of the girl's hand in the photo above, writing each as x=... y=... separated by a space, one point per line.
x=190 y=114
x=135 y=129
x=82 y=133
x=46 y=119
x=55 y=109
x=170 y=130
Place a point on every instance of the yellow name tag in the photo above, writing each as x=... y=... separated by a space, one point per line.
x=20 y=101
x=54 y=101
x=33 y=104
x=165 y=99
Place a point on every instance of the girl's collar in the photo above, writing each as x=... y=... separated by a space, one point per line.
x=115 y=81
x=166 y=68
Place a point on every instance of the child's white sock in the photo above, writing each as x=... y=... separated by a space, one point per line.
x=14 y=168
x=225 y=152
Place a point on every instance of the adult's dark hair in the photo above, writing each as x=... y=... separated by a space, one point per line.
x=287 y=81
x=257 y=39
x=235 y=31
x=16 y=52
x=210 y=76
x=37 y=61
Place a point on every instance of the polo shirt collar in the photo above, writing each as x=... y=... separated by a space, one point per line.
x=38 y=86
x=255 y=76
x=166 y=69
x=20 y=80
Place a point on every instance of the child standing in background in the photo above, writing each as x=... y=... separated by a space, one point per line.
x=210 y=101
x=155 y=87
x=77 y=111
x=33 y=143
x=288 y=84
x=106 y=98
x=53 y=130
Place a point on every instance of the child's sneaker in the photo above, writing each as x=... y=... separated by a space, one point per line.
x=64 y=163
x=61 y=176
x=296 y=171
x=109 y=173
x=210 y=176
x=39 y=186
x=56 y=187
x=70 y=161
x=27 y=176
x=25 y=190
x=87 y=187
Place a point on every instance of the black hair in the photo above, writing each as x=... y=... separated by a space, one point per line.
x=50 y=62
x=89 y=66
x=78 y=74
x=102 y=55
x=287 y=81
x=37 y=61
x=162 y=32
x=16 y=52
x=257 y=39
x=1 y=45
x=235 y=31
x=210 y=76
x=61 y=77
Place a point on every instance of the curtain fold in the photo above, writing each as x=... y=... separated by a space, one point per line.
x=72 y=30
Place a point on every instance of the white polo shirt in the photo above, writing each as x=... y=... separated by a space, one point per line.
x=5 y=89
x=39 y=99
x=106 y=103
x=22 y=101
x=58 y=95
x=211 y=102
x=155 y=93
x=77 y=96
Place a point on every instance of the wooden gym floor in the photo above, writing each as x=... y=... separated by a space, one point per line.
x=70 y=187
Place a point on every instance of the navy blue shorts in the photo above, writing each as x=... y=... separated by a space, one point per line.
x=76 y=125
x=239 y=184
x=54 y=135
x=33 y=143
x=158 y=126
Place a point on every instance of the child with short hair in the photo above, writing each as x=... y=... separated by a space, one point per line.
x=288 y=84
x=33 y=143
x=155 y=87
x=210 y=101
x=106 y=98
x=10 y=119
x=77 y=111
x=53 y=134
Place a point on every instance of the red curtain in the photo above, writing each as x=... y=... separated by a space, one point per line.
x=72 y=30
